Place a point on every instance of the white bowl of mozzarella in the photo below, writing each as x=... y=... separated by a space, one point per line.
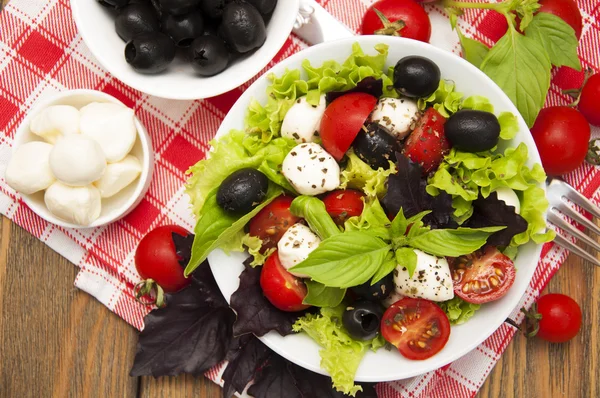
x=81 y=159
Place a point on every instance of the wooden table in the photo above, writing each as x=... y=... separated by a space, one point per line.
x=58 y=341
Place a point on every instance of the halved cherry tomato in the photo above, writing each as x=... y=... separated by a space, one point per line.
x=271 y=222
x=427 y=144
x=282 y=289
x=417 y=25
x=342 y=121
x=417 y=327
x=343 y=204
x=482 y=277
x=156 y=258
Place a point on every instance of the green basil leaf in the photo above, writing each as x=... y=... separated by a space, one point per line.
x=452 y=242
x=520 y=66
x=473 y=51
x=345 y=260
x=401 y=223
x=525 y=10
x=313 y=211
x=557 y=37
x=216 y=226
x=320 y=295
x=387 y=266
x=406 y=257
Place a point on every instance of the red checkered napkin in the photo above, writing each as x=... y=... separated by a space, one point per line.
x=41 y=54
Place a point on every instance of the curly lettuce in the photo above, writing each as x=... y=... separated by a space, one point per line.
x=340 y=353
x=359 y=175
x=254 y=245
x=458 y=310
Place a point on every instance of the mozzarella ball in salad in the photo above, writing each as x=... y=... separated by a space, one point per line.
x=311 y=170
x=28 y=170
x=77 y=160
x=54 y=122
x=295 y=246
x=430 y=280
x=398 y=115
x=302 y=121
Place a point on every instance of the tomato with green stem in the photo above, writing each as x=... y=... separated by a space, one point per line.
x=397 y=18
x=555 y=318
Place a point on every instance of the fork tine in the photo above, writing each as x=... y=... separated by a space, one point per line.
x=569 y=211
x=562 y=224
x=573 y=248
x=580 y=200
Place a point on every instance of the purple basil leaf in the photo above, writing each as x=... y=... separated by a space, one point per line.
x=406 y=190
x=368 y=85
x=183 y=247
x=205 y=282
x=255 y=314
x=249 y=356
x=186 y=336
x=491 y=212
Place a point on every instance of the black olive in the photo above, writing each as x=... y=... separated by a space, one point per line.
x=114 y=4
x=376 y=292
x=416 y=76
x=135 y=19
x=242 y=190
x=213 y=8
x=362 y=319
x=473 y=131
x=183 y=29
x=209 y=55
x=375 y=146
x=242 y=27
x=150 y=52
x=263 y=6
x=179 y=7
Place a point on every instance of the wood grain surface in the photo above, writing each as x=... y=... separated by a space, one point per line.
x=56 y=341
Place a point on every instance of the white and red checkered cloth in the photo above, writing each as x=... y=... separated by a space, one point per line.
x=41 y=53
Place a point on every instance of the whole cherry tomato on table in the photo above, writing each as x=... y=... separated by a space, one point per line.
x=561 y=135
x=589 y=100
x=284 y=290
x=558 y=318
x=401 y=18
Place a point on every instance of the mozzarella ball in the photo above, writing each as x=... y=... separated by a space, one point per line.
x=112 y=126
x=311 y=170
x=431 y=280
x=77 y=160
x=77 y=205
x=55 y=121
x=118 y=176
x=28 y=170
x=398 y=116
x=302 y=121
x=295 y=245
x=509 y=197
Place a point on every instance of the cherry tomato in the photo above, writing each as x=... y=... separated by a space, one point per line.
x=156 y=258
x=417 y=327
x=271 y=222
x=417 y=25
x=344 y=204
x=427 y=144
x=282 y=289
x=567 y=10
x=482 y=277
x=561 y=135
x=589 y=105
x=561 y=318
x=342 y=121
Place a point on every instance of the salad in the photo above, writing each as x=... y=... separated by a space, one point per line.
x=376 y=201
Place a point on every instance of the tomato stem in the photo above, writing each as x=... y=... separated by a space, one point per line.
x=148 y=292
x=389 y=28
x=576 y=92
x=532 y=321
x=467 y=4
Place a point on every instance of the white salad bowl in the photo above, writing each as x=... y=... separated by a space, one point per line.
x=124 y=201
x=390 y=365
x=97 y=27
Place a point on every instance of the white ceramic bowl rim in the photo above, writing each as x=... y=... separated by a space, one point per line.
x=487 y=320
x=142 y=182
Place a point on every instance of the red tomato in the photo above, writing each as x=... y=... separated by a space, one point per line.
x=271 y=222
x=417 y=327
x=589 y=105
x=282 y=289
x=482 y=277
x=156 y=258
x=342 y=121
x=417 y=25
x=344 y=204
x=566 y=10
x=427 y=144
x=561 y=318
x=561 y=135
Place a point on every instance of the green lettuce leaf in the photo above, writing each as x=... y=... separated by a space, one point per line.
x=458 y=310
x=340 y=353
x=445 y=100
x=359 y=175
x=372 y=219
x=479 y=103
x=254 y=245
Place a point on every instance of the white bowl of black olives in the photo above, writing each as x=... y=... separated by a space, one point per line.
x=184 y=49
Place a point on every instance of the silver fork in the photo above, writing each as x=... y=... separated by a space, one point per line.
x=558 y=192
